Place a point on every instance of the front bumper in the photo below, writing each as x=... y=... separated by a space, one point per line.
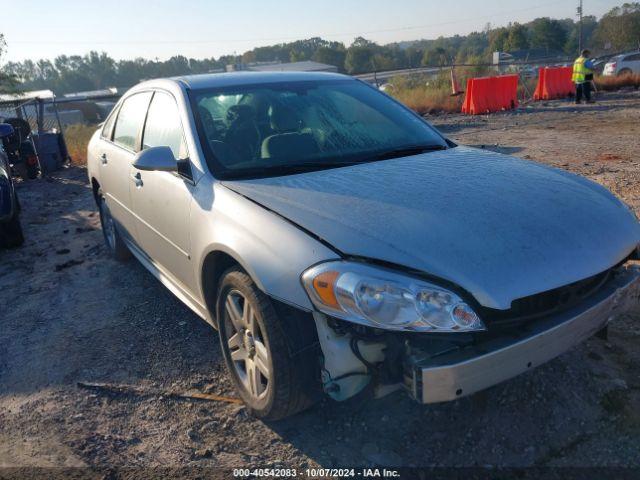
x=447 y=376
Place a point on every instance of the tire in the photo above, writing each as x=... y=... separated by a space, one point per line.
x=254 y=347
x=11 y=235
x=32 y=172
x=112 y=238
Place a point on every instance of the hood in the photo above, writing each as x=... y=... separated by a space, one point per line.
x=500 y=227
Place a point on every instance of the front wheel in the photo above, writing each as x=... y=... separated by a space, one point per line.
x=255 y=350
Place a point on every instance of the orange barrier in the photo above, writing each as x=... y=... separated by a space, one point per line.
x=490 y=94
x=554 y=82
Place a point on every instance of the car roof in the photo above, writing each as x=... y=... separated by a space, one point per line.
x=214 y=80
x=623 y=55
x=217 y=80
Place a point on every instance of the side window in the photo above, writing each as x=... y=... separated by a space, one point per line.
x=632 y=58
x=163 y=127
x=130 y=119
x=107 y=129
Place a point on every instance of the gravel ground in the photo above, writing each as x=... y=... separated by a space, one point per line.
x=70 y=314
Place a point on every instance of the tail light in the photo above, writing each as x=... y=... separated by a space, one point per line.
x=32 y=160
x=613 y=65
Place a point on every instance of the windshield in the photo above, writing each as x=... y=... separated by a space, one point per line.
x=281 y=128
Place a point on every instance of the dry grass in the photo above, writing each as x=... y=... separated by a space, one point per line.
x=616 y=83
x=427 y=94
x=77 y=138
x=429 y=100
x=526 y=87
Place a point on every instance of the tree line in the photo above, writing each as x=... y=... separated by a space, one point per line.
x=617 y=30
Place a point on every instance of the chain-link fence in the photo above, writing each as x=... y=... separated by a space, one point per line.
x=54 y=114
x=39 y=140
x=42 y=116
x=43 y=122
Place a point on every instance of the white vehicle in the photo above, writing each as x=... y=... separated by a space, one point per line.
x=624 y=64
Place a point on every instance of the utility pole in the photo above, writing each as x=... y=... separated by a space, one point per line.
x=580 y=27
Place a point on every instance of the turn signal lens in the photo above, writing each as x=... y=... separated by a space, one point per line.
x=324 y=286
x=466 y=318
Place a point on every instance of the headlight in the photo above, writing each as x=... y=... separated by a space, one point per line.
x=384 y=299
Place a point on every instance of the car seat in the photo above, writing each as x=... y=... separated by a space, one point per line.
x=290 y=139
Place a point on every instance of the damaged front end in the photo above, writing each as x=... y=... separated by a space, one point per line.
x=364 y=360
x=358 y=360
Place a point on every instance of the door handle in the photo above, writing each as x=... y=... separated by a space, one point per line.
x=103 y=159
x=137 y=179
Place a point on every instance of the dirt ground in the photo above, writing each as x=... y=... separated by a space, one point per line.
x=70 y=314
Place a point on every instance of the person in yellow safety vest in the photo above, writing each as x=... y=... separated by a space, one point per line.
x=582 y=76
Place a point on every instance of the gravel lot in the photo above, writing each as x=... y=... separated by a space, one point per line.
x=69 y=314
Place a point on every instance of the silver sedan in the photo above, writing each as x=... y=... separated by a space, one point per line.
x=342 y=246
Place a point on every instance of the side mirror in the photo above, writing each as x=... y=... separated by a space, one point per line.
x=6 y=130
x=158 y=159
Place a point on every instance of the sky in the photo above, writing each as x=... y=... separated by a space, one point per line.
x=160 y=29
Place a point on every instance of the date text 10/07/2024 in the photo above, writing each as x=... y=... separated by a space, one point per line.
x=315 y=473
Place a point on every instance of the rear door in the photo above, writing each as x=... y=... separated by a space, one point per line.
x=161 y=200
x=116 y=154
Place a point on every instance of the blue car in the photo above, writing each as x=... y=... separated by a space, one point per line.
x=10 y=229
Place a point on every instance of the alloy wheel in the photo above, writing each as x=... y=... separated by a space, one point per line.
x=247 y=347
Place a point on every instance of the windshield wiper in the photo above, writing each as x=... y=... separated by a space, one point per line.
x=408 y=151
x=275 y=170
x=307 y=166
x=287 y=169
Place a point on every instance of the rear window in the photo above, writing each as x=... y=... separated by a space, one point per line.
x=107 y=129
x=130 y=120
